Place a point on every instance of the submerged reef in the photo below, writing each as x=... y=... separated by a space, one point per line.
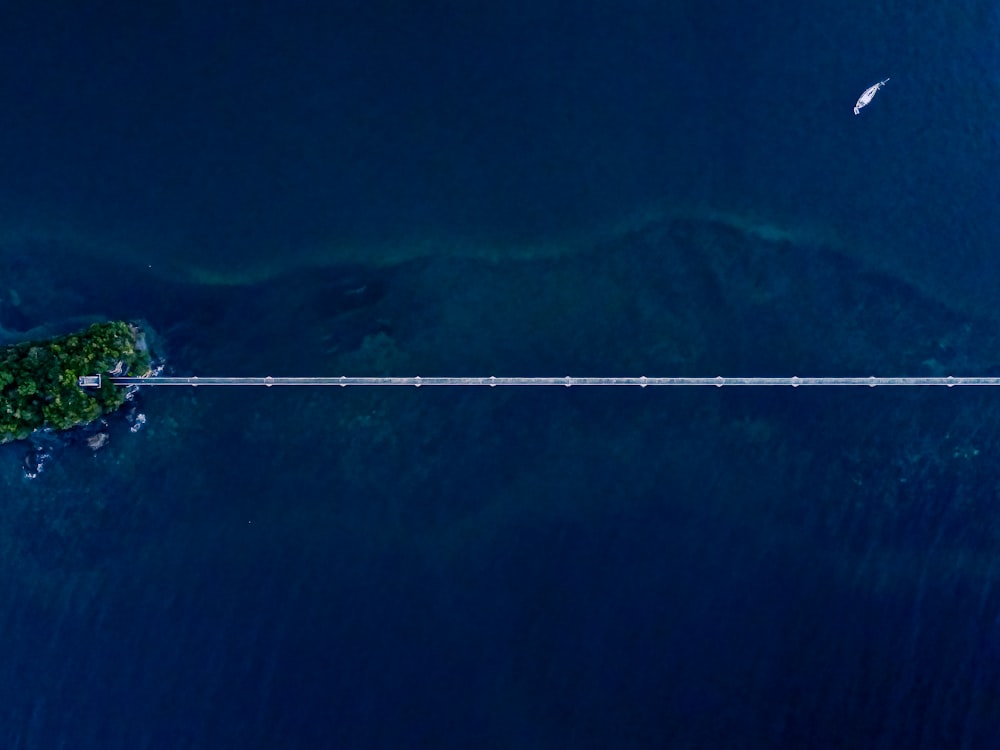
x=38 y=379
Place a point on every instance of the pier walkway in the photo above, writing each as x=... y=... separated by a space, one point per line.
x=94 y=381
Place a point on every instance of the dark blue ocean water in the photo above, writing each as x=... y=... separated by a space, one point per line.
x=543 y=188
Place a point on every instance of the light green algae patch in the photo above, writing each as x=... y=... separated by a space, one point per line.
x=38 y=379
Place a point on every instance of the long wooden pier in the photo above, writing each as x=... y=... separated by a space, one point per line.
x=94 y=381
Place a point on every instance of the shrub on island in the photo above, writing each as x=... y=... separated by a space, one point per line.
x=38 y=379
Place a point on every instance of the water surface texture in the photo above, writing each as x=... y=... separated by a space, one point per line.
x=531 y=188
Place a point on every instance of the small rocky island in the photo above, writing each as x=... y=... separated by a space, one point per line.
x=38 y=379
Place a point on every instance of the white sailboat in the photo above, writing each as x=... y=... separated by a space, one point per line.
x=868 y=95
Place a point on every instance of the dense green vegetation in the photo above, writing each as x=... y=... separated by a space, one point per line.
x=38 y=379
